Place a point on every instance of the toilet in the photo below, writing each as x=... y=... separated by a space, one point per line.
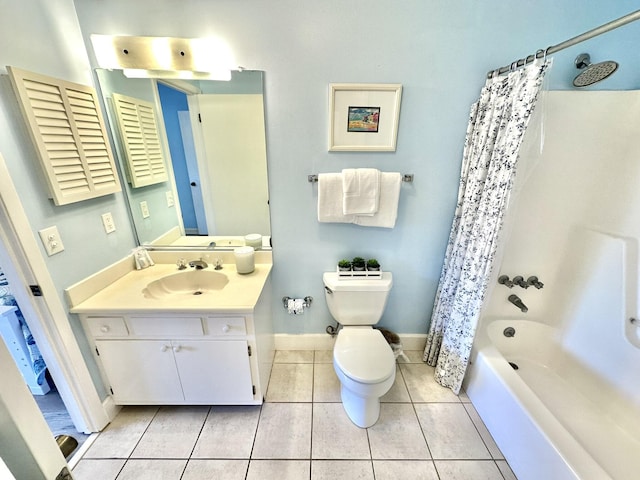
x=362 y=358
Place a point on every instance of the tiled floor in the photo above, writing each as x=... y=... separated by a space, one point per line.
x=425 y=432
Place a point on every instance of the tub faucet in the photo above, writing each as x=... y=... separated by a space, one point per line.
x=519 y=280
x=533 y=280
x=504 y=280
x=518 y=303
x=199 y=264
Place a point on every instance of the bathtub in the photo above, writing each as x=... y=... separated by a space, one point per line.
x=552 y=416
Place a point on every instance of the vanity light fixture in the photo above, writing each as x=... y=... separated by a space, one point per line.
x=165 y=57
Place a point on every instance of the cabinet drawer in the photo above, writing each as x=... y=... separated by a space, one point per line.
x=221 y=326
x=107 y=327
x=166 y=326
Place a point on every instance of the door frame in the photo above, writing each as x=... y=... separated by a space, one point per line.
x=24 y=265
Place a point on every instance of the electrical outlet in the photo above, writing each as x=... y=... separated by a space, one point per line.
x=51 y=240
x=170 y=202
x=145 y=209
x=107 y=221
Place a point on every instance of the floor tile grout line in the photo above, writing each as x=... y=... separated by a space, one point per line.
x=255 y=434
x=143 y=433
x=206 y=417
x=479 y=434
x=415 y=412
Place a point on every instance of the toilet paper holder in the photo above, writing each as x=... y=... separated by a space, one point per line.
x=306 y=302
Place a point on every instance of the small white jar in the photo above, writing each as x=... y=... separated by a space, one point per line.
x=245 y=259
x=253 y=240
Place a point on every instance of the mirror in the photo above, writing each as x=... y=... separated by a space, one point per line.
x=212 y=137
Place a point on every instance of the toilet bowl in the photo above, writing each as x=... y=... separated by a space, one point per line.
x=362 y=359
x=366 y=368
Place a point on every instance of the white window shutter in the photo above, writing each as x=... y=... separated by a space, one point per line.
x=141 y=140
x=68 y=130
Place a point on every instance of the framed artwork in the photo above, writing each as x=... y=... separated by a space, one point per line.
x=364 y=116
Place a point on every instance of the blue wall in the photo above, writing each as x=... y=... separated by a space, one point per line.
x=439 y=51
x=173 y=102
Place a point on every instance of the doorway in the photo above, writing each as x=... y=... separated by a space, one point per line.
x=18 y=338
x=177 y=122
x=34 y=293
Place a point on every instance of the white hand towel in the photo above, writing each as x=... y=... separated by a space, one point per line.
x=361 y=190
x=390 y=183
x=330 y=199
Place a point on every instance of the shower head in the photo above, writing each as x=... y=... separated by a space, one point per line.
x=592 y=72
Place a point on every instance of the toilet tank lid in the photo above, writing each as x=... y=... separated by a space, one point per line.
x=350 y=284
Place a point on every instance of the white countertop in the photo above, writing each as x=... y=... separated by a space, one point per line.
x=125 y=295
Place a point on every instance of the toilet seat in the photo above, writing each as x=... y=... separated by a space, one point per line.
x=364 y=355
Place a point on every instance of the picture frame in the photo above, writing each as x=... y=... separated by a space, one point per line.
x=364 y=116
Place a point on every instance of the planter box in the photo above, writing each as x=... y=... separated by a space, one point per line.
x=359 y=274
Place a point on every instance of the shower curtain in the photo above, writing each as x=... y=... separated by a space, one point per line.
x=497 y=124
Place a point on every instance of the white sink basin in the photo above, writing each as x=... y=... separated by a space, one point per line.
x=193 y=282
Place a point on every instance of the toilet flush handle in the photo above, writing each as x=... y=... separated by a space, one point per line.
x=328 y=290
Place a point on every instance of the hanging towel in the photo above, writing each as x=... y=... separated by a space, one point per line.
x=330 y=199
x=361 y=190
x=387 y=214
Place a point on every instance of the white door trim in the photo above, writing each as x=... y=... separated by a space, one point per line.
x=24 y=265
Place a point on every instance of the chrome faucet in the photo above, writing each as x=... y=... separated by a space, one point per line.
x=518 y=303
x=519 y=280
x=504 y=280
x=198 y=264
x=533 y=280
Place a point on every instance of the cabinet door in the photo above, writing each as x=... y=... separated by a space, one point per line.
x=214 y=371
x=141 y=371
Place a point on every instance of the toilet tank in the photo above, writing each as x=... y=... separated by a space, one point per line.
x=356 y=302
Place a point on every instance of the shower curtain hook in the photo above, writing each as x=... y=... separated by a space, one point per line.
x=514 y=66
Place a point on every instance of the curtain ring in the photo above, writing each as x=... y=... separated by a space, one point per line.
x=513 y=66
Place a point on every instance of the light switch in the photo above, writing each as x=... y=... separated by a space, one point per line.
x=170 y=201
x=51 y=240
x=145 y=209
x=107 y=221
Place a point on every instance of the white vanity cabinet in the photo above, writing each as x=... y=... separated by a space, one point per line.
x=178 y=359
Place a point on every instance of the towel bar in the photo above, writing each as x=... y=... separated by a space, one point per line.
x=407 y=177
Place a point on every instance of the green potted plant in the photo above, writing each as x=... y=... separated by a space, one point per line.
x=344 y=265
x=358 y=263
x=373 y=265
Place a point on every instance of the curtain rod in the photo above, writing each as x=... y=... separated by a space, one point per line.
x=631 y=17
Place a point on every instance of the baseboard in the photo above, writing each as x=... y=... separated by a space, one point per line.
x=323 y=341
x=110 y=408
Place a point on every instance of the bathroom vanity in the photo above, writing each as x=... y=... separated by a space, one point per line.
x=195 y=340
